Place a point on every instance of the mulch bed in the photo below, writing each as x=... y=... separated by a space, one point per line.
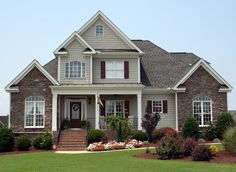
x=222 y=157
x=20 y=152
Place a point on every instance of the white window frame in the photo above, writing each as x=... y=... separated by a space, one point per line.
x=153 y=106
x=99 y=34
x=114 y=70
x=82 y=72
x=202 y=99
x=34 y=113
x=115 y=101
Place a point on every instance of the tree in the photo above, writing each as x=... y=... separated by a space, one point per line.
x=150 y=122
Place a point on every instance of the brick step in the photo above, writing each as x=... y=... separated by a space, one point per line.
x=71 y=146
x=79 y=136
x=72 y=143
x=68 y=137
x=73 y=139
x=71 y=149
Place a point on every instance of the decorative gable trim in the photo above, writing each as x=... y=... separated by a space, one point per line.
x=209 y=69
x=19 y=77
x=73 y=36
x=111 y=25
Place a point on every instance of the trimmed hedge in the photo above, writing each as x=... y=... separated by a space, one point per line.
x=43 y=141
x=96 y=136
x=190 y=128
x=159 y=133
x=23 y=143
x=224 y=121
x=140 y=136
x=7 y=141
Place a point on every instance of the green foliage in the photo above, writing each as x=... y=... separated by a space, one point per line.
x=140 y=136
x=190 y=128
x=201 y=153
x=188 y=146
x=96 y=136
x=170 y=147
x=23 y=143
x=7 y=140
x=159 y=133
x=65 y=124
x=122 y=127
x=210 y=132
x=229 y=141
x=84 y=124
x=224 y=121
x=43 y=141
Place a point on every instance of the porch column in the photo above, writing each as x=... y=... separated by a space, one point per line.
x=97 y=110
x=176 y=112
x=139 y=111
x=54 y=112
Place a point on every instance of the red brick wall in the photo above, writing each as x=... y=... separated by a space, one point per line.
x=201 y=83
x=33 y=84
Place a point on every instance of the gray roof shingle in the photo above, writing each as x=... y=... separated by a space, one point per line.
x=4 y=120
x=51 y=68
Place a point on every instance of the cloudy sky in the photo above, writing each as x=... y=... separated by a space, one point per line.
x=32 y=30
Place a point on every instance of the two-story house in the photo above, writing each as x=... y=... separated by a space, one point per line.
x=98 y=72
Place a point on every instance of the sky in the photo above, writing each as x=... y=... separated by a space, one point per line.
x=34 y=29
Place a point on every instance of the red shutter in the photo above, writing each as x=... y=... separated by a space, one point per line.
x=165 y=106
x=149 y=106
x=126 y=108
x=103 y=74
x=126 y=70
x=102 y=109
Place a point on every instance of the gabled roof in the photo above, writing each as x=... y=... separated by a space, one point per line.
x=112 y=26
x=209 y=69
x=21 y=75
x=73 y=36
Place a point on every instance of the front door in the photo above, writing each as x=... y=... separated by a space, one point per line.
x=75 y=114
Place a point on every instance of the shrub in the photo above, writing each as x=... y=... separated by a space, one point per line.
x=201 y=153
x=201 y=140
x=43 y=141
x=224 y=121
x=188 y=146
x=7 y=140
x=170 y=147
x=216 y=140
x=150 y=122
x=121 y=125
x=84 y=124
x=65 y=124
x=190 y=128
x=140 y=136
x=214 y=150
x=23 y=143
x=96 y=136
x=210 y=132
x=230 y=140
x=158 y=134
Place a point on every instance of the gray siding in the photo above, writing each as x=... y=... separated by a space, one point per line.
x=108 y=41
x=75 y=52
x=133 y=71
x=167 y=120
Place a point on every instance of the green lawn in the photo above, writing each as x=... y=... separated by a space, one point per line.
x=104 y=162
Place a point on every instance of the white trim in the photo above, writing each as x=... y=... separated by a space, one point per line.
x=58 y=68
x=176 y=112
x=112 y=26
x=139 y=111
x=139 y=71
x=20 y=76
x=54 y=112
x=209 y=69
x=97 y=111
x=112 y=100
x=81 y=71
x=9 y=116
x=225 y=90
x=157 y=100
x=73 y=36
x=91 y=69
x=96 y=30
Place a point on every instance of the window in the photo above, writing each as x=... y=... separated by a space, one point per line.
x=75 y=69
x=99 y=30
x=115 y=69
x=34 y=111
x=115 y=107
x=202 y=110
x=157 y=106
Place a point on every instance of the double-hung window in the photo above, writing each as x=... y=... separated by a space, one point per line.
x=34 y=112
x=202 y=110
x=115 y=108
x=99 y=30
x=75 y=69
x=157 y=106
x=115 y=69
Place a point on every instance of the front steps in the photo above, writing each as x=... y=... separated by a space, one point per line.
x=72 y=140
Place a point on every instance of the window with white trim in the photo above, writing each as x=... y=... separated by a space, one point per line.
x=157 y=106
x=75 y=69
x=99 y=30
x=115 y=108
x=34 y=111
x=202 y=110
x=114 y=69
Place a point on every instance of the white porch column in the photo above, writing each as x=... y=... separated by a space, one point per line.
x=176 y=112
x=54 y=112
x=139 y=110
x=97 y=109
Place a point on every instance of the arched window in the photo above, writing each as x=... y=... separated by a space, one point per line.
x=99 y=30
x=74 y=69
x=34 y=112
x=202 y=110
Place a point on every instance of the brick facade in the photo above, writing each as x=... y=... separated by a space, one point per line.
x=33 y=84
x=201 y=83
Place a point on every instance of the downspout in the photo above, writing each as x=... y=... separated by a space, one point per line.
x=176 y=111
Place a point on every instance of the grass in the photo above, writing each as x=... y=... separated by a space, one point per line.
x=104 y=162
